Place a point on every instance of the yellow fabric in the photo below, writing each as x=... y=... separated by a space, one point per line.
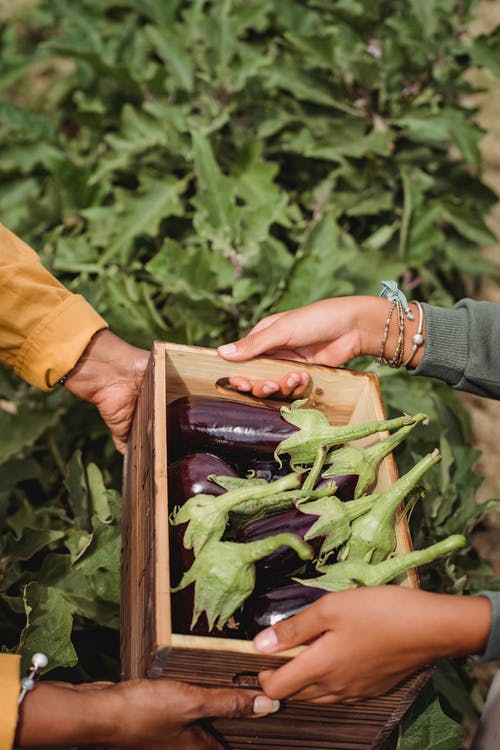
x=44 y=328
x=10 y=685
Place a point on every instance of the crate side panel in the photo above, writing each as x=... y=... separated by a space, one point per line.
x=191 y=370
x=359 y=726
x=159 y=544
x=137 y=640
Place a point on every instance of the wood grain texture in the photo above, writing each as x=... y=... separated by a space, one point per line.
x=148 y=646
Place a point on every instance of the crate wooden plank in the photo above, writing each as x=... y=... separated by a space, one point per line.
x=148 y=646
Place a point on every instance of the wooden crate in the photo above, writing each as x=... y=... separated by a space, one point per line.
x=148 y=645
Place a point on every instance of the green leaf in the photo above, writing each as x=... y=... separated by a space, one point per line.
x=323 y=248
x=78 y=495
x=104 y=550
x=168 y=44
x=432 y=730
x=216 y=215
x=20 y=431
x=140 y=214
x=485 y=51
x=47 y=612
x=101 y=498
x=32 y=541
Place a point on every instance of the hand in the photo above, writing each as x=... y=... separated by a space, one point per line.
x=326 y=332
x=329 y=332
x=109 y=375
x=362 y=642
x=135 y=715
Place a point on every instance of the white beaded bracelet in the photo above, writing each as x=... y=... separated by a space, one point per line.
x=38 y=661
x=418 y=338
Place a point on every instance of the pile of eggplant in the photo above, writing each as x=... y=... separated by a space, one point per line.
x=271 y=509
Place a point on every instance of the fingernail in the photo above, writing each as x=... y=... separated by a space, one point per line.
x=268 y=389
x=227 y=349
x=264 y=705
x=293 y=380
x=304 y=377
x=266 y=641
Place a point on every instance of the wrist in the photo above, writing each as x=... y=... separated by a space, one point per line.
x=60 y=715
x=460 y=624
x=107 y=359
x=372 y=313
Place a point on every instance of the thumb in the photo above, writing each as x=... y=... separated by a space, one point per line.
x=267 y=336
x=231 y=703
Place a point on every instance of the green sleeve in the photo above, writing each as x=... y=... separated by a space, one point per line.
x=462 y=346
x=492 y=650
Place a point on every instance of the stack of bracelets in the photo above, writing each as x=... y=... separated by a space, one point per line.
x=399 y=303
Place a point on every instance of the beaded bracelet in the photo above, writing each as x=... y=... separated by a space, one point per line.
x=399 y=303
x=400 y=345
x=418 y=338
x=38 y=661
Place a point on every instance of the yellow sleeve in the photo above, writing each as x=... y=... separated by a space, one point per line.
x=10 y=685
x=44 y=328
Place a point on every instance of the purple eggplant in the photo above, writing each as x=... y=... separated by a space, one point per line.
x=264 y=610
x=224 y=427
x=188 y=477
x=346 y=485
x=284 y=561
x=266 y=468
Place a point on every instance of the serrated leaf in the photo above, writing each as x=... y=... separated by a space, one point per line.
x=141 y=213
x=49 y=622
x=432 y=730
x=20 y=431
x=76 y=485
x=100 y=496
x=31 y=541
x=485 y=51
x=215 y=196
x=168 y=45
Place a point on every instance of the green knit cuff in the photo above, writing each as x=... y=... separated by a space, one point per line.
x=448 y=362
x=492 y=650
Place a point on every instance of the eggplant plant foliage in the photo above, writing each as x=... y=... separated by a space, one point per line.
x=190 y=166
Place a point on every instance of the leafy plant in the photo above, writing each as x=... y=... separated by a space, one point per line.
x=190 y=166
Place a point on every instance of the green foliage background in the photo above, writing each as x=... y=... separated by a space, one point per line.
x=190 y=166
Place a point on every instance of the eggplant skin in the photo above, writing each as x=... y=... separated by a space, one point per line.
x=266 y=468
x=188 y=476
x=264 y=610
x=224 y=427
x=284 y=561
x=346 y=485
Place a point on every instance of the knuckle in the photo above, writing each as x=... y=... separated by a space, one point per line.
x=238 y=705
x=327 y=606
x=287 y=630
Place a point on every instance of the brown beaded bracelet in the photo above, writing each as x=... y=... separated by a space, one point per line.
x=400 y=345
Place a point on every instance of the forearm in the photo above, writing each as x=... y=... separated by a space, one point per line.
x=106 y=360
x=453 y=625
x=58 y=716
